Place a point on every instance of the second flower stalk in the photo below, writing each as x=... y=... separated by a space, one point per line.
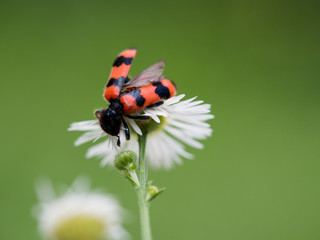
x=125 y=162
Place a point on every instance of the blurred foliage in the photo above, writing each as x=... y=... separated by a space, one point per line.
x=256 y=62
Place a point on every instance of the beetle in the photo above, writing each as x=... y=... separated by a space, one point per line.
x=127 y=97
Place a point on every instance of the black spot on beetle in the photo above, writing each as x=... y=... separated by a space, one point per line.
x=116 y=82
x=122 y=59
x=162 y=91
x=140 y=100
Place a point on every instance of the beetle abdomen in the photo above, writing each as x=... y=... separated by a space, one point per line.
x=142 y=97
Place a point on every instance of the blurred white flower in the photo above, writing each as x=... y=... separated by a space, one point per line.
x=78 y=214
x=174 y=124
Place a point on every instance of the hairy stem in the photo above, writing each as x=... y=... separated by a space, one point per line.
x=141 y=191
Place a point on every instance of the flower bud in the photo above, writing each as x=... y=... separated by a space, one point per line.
x=153 y=192
x=125 y=161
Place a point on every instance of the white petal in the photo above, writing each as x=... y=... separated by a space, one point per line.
x=100 y=136
x=122 y=135
x=183 y=137
x=84 y=123
x=99 y=150
x=155 y=118
x=86 y=137
x=133 y=125
x=175 y=99
x=84 y=126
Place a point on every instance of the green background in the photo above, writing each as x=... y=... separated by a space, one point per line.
x=256 y=62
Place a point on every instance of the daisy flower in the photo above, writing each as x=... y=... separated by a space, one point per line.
x=174 y=125
x=78 y=214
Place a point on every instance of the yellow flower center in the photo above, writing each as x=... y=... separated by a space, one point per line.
x=152 y=125
x=81 y=227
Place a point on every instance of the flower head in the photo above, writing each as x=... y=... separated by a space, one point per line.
x=174 y=124
x=79 y=214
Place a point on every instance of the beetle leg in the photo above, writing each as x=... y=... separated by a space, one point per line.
x=157 y=104
x=126 y=129
x=118 y=142
x=138 y=117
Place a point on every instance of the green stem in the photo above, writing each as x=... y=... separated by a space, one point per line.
x=141 y=191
